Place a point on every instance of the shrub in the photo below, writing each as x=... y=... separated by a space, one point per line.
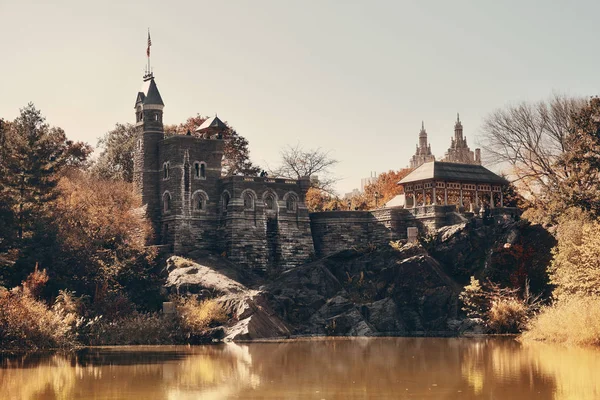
x=27 y=323
x=196 y=317
x=508 y=315
x=502 y=309
x=573 y=320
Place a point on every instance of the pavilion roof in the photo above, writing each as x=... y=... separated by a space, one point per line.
x=445 y=171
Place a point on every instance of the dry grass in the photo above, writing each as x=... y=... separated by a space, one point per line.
x=27 y=323
x=197 y=316
x=575 y=320
x=507 y=315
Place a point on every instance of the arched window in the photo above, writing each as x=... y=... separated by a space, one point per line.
x=225 y=201
x=166 y=202
x=291 y=202
x=199 y=200
x=200 y=170
x=270 y=201
x=166 y=170
x=248 y=201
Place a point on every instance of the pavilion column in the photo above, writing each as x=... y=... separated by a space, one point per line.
x=461 y=196
x=501 y=199
x=423 y=195
x=434 y=199
x=476 y=197
x=445 y=193
x=492 y=197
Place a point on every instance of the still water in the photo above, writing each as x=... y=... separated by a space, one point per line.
x=360 y=368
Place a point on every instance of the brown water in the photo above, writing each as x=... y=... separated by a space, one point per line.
x=377 y=368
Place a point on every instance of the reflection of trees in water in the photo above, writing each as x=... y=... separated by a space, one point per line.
x=335 y=368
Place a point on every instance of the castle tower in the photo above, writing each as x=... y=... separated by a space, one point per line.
x=149 y=123
x=423 y=152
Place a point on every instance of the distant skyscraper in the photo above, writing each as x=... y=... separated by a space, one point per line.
x=423 y=153
x=364 y=182
x=459 y=151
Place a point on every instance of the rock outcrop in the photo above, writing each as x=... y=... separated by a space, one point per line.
x=399 y=289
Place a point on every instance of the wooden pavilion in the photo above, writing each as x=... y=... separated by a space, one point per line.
x=466 y=186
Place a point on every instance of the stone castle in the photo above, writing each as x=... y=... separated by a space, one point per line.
x=258 y=222
x=262 y=222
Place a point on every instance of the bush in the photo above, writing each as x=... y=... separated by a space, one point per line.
x=502 y=309
x=197 y=316
x=27 y=323
x=573 y=320
x=508 y=315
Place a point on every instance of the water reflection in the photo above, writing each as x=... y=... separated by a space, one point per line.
x=378 y=368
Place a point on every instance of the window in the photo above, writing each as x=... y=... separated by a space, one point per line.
x=199 y=200
x=166 y=170
x=290 y=203
x=225 y=201
x=248 y=201
x=200 y=170
x=270 y=202
x=166 y=202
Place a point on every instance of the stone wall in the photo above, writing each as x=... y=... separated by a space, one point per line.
x=339 y=230
x=271 y=233
x=184 y=224
x=334 y=231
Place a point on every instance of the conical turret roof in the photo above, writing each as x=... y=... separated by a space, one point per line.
x=149 y=93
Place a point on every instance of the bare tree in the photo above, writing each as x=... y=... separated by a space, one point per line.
x=531 y=138
x=316 y=164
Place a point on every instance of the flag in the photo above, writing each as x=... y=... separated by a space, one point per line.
x=149 y=44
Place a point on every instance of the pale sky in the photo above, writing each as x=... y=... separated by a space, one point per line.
x=353 y=77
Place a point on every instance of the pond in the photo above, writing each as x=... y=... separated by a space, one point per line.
x=345 y=368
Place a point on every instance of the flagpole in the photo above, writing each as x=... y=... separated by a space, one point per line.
x=149 y=73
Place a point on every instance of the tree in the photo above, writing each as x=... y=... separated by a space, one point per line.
x=316 y=164
x=531 y=138
x=115 y=162
x=581 y=186
x=34 y=156
x=575 y=268
x=100 y=238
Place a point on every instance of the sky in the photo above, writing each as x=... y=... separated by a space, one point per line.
x=354 y=78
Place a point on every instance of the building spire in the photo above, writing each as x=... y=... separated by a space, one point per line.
x=457 y=117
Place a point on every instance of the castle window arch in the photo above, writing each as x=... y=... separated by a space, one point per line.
x=270 y=200
x=166 y=200
x=291 y=201
x=249 y=199
x=166 y=170
x=199 y=170
x=225 y=197
x=199 y=200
